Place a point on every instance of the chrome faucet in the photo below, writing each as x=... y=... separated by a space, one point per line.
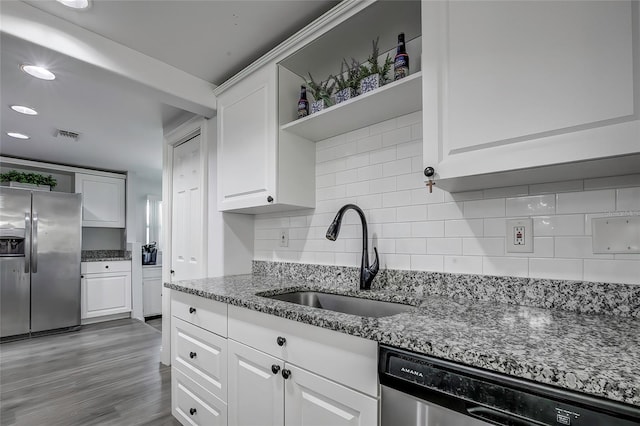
x=367 y=273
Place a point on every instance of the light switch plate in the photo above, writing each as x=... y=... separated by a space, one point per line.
x=284 y=238
x=616 y=234
x=519 y=236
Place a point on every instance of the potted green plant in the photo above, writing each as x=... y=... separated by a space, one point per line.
x=321 y=93
x=347 y=81
x=36 y=181
x=373 y=75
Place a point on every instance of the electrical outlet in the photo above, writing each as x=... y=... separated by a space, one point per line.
x=519 y=236
x=284 y=238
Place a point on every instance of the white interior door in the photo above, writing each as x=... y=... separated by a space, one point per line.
x=186 y=229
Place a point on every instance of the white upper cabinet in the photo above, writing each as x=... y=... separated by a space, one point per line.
x=257 y=170
x=103 y=200
x=530 y=92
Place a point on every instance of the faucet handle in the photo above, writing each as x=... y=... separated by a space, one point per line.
x=375 y=266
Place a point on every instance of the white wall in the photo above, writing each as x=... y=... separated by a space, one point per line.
x=380 y=169
x=102 y=239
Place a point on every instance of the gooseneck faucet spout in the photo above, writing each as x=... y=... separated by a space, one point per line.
x=367 y=272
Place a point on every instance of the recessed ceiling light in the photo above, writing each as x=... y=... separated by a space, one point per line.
x=17 y=135
x=75 y=4
x=38 y=72
x=24 y=110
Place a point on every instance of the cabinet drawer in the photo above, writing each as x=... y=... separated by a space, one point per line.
x=105 y=266
x=151 y=272
x=206 y=313
x=201 y=355
x=310 y=347
x=193 y=405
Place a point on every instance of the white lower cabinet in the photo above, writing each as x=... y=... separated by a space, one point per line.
x=151 y=290
x=194 y=405
x=105 y=288
x=198 y=360
x=256 y=387
x=314 y=400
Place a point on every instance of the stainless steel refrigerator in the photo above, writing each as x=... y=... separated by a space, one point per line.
x=40 y=244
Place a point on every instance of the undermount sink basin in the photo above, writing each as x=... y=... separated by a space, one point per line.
x=345 y=304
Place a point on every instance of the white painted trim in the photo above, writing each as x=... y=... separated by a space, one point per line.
x=175 y=137
x=315 y=29
x=169 y=84
x=58 y=167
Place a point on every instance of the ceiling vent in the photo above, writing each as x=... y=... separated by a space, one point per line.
x=67 y=134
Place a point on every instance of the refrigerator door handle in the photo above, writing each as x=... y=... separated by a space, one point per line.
x=34 y=243
x=27 y=242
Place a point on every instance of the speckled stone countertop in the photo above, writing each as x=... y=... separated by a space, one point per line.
x=105 y=255
x=595 y=354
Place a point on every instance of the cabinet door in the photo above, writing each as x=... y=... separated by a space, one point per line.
x=152 y=296
x=517 y=86
x=102 y=200
x=255 y=393
x=313 y=400
x=247 y=141
x=106 y=294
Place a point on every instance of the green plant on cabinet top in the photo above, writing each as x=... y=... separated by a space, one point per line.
x=32 y=178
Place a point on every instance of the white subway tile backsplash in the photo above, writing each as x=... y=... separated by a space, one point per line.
x=452 y=246
x=628 y=199
x=396 y=199
x=495 y=227
x=380 y=168
x=355 y=135
x=397 y=167
x=463 y=264
x=396 y=261
x=357 y=189
x=510 y=266
x=484 y=208
x=411 y=246
x=445 y=211
x=576 y=248
x=509 y=191
x=560 y=269
x=586 y=202
x=483 y=246
x=355 y=161
x=427 y=262
x=464 y=228
x=617 y=271
x=570 y=224
x=370 y=172
x=409 y=119
x=555 y=187
x=409 y=150
x=412 y=213
x=370 y=143
x=384 y=126
x=432 y=228
x=382 y=156
x=396 y=136
x=347 y=176
x=612 y=182
x=396 y=230
x=529 y=206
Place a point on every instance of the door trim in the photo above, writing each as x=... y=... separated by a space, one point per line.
x=173 y=138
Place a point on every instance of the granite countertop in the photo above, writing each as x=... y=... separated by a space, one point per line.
x=105 y=255
x=594 y=354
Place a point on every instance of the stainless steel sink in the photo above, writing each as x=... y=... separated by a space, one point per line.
x=346 y=304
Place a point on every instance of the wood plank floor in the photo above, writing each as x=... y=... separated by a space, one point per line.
x=104 y=374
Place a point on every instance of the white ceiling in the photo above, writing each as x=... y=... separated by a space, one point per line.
x=119 y=121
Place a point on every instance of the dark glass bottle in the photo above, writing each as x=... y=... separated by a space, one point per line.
x=303 y=103
x=401 y=60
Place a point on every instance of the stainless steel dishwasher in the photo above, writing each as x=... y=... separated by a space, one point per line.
x=418 y=390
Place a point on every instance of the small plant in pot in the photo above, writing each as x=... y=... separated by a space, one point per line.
x=348 y=81
x=373 y=75
x=321 y=93
x=28 y=180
